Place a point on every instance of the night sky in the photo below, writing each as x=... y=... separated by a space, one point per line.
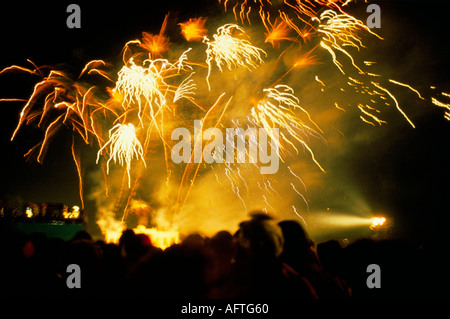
x=404 y=171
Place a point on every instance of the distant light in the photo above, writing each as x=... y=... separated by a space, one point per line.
x=73 y=214
x=29 y=212
x=377 y=222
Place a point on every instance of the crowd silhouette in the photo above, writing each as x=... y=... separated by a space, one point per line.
x=264 y=259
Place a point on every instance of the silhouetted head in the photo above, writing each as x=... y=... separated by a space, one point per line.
x=133 y=246
x=260 y=237
x=222 y=240
x=193 y=240
x=298 y=250
x=294 y=235
x=82 y=234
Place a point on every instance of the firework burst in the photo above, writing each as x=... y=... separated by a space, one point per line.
x=230 y=51
x=124 y=146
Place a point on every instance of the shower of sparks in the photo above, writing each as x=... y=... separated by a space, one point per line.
x=185 y=90
x=446 y=106
x=130 y=115
x=142 y=86
x=231 y=51
x=339 y=31
x=123 y=147
x=277 y=110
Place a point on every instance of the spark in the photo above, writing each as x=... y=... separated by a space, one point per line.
x=296 y=213
x=318 y=80
x=395 y=101
x=301 y=195
x=145 y=86
x=142 y=85
x=277 y=33
x=92 y=66
x=305 y=60
x=77 y=160
x=407 y=86
x=297 y=177
x=194 y=29
x=185 y=89
x=273 y=189
x=276 y=110
x=123 y=147
x=242 y=178
x=231 y=51
x=295 y=189
x=376 y=119
x=339 y=31
x=443 y=105
x=265 y=200
x=338 y=107
x=234 y=187
x=267 y=189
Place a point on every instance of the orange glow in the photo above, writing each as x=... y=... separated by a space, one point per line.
x=279 y=32
x=116 y=96
x=111 y=229
x=306 y=59
x=378 y=222
x=306 y=33
x=29 y=212
x=194 y=29
x=73 y=214
x=156 y=44
x=160 y=238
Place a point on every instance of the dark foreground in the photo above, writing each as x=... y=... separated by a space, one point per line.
x=262 y=261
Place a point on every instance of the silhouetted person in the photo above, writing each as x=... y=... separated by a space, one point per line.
x=331 y=256
x=87 y=255
x=299 y=253
x=258 y=272
x=223 y=249
x=179 y=272
x=82 y=234
x=133 y=247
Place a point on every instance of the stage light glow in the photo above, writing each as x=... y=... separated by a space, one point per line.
x=378 y=222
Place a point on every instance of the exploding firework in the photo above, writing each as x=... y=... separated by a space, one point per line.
x=194 y=29
x=123 y=147
x=128 y=111
x=231 y=51
x=277 y=110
